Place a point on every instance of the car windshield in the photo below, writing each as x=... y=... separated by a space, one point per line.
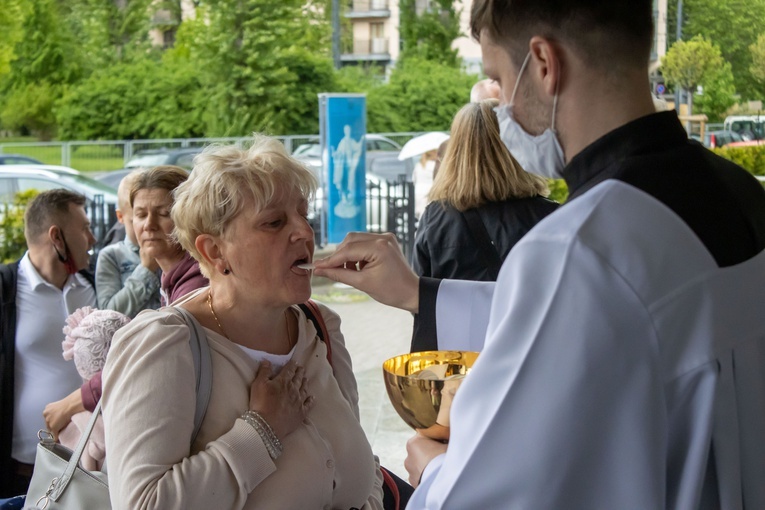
x=147 y=160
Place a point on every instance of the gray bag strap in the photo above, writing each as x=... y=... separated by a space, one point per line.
x=200 y=353
x=64 y=480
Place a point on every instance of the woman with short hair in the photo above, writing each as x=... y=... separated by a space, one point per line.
x=282 y=425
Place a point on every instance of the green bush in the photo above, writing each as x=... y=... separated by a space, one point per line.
x=558 y=190
x=12 y=241
x=751 y=158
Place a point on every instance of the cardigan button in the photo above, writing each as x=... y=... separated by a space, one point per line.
x=330 y=464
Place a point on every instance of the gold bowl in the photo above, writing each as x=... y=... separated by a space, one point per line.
x=421 y=386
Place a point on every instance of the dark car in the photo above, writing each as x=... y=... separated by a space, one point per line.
x=721 y=138
x=183 y=158
x=114 y=177
x=18 y=159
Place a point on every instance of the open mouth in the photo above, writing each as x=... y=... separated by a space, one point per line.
x=298 y=270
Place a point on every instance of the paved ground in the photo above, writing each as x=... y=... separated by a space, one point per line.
x=373 y=333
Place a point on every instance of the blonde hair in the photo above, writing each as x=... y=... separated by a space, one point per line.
x=477 y=167
x=125 y=188
x=224 y=176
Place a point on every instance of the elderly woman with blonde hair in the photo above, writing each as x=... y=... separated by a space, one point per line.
x=282 y=428
x=482 y=203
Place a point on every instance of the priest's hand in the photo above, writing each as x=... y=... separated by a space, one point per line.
x=375 y=264
x=420 y=451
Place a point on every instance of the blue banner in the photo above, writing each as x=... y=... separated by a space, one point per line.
x=343 y=126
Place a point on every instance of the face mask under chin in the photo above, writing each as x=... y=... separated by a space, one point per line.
x=66 y=259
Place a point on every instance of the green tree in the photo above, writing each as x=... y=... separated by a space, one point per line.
x=429 y=34
x=421 y=95
x=758 y=63
x=141 y=99
x=688 y=64
x=733 y=25
x=262 y=64
x=47 y=60
x=719 y=93
x=12 y=14
x=111 y=30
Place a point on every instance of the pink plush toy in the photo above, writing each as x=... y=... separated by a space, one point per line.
x=89 y=334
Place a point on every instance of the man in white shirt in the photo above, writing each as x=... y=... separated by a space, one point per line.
x=623 y=345
x=38 y=293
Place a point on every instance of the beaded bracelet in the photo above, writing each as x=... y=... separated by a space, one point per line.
x=273 y=445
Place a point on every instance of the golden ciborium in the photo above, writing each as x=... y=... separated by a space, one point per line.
x=421 y=386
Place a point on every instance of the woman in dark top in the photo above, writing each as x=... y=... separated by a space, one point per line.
x=482 y=203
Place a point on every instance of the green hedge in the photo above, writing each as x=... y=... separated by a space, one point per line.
x=751 y=158
x=12 y=241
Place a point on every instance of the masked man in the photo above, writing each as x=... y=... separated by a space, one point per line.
x=623 y=345
x=38 y=294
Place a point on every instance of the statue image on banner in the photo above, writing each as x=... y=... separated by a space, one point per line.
x=346 y=159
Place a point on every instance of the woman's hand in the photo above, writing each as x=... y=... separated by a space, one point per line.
x=282 y=400
x=375 y=264
x=58 y=414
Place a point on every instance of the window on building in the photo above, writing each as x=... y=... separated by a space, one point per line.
x=168 y=38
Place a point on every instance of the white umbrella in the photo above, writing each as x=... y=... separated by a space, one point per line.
x=422 y=144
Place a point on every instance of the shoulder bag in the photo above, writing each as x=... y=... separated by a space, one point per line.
x=58 y=481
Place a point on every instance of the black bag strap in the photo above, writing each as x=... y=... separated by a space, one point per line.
x=486 y=248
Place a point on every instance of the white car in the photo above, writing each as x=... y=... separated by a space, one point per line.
x=381 y=158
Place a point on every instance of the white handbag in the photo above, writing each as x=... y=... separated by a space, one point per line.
x=58 y=481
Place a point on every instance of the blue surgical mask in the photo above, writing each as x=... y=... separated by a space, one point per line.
x=541 y=154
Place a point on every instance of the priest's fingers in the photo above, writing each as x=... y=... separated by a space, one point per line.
x=420 y=450
x=375 y=264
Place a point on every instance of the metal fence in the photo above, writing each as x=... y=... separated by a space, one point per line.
x=105 y=155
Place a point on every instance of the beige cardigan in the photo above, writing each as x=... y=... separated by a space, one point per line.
x=149 y=400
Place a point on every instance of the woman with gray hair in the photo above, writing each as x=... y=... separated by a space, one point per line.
x=282 y=426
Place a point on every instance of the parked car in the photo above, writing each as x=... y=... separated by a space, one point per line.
x=183 y=158
x=381 y=158
x=113 y=178
x=750 y=127
x=18 y=159
x=720 y=138
x=17 y=178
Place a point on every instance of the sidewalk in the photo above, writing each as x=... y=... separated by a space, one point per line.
x=373 y=333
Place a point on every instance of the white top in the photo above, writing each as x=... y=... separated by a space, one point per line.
x=422 y=177
x=42 y=375
x=599 y=387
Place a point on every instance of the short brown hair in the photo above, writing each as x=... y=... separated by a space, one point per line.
x=167 y=177
x=47 y=209
x=614 y=33
x=477 y=168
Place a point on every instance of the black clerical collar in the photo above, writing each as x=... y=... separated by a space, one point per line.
x=601 y=159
